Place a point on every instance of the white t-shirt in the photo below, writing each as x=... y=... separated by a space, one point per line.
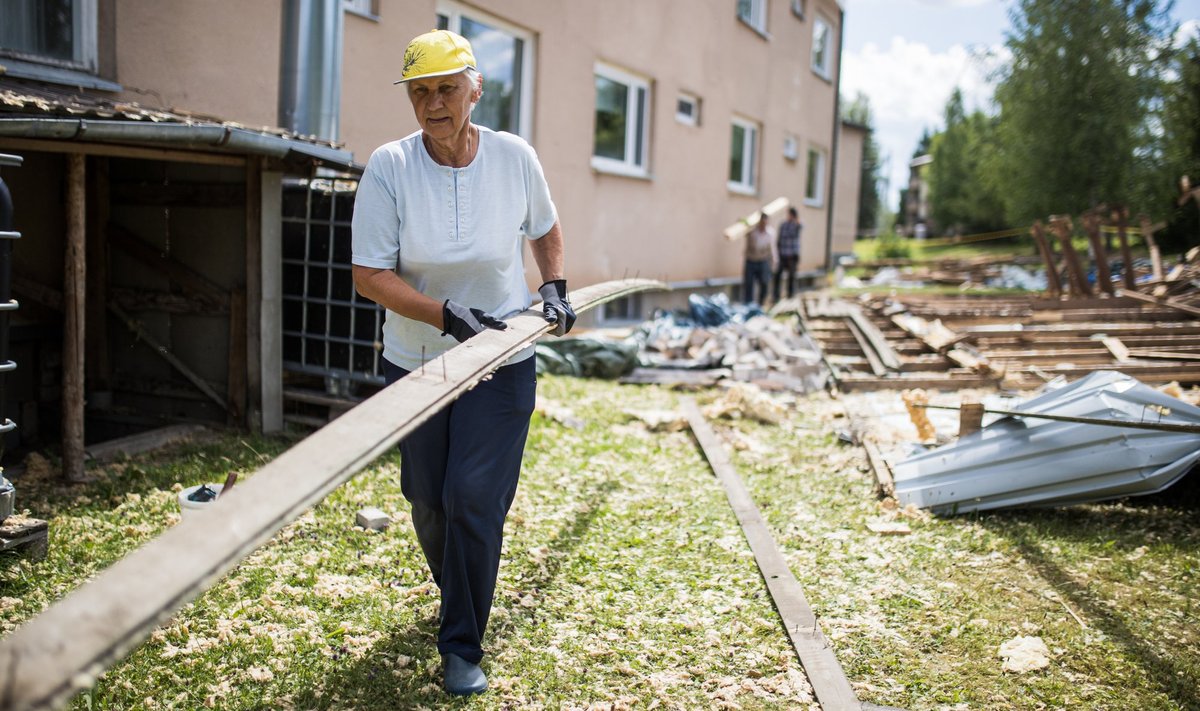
x=451 y=233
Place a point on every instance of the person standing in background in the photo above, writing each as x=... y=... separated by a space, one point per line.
x=760 y=257
x=789 y=254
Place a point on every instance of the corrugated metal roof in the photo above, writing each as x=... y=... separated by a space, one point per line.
x=1031 y=462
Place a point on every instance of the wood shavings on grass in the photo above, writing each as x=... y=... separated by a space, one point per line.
x=743 y=400
x=626 y=581
x=1024 y=654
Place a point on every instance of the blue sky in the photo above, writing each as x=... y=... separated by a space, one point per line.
x=908 y=55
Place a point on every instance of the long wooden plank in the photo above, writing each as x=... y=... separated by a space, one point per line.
x=825 y=674
x=885 y=484
x=878 y=341
x=62 y=650
x=864 y=344
x=772 y=209
x=1062 y=228
x=1172 y=303
x=1091 y=226
x=1053 y=284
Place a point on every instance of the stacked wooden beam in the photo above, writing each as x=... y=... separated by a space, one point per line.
x=954 y=342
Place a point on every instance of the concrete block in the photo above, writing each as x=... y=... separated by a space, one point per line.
x=372 y=519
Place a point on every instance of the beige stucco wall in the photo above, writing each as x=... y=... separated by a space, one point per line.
x=668 y=225
x=222 y=58
x=849 y=179
x=218 y=57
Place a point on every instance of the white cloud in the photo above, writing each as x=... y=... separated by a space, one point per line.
x=1188 y=29
x=908 y=85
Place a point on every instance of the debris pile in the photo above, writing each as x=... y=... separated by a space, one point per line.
x=718 y=340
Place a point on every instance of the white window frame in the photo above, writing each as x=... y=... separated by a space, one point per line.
x=758 y=15
x=748 y=185
x=822 y=60
x=817 y=199
x=798 y=8
x=83 y=43
x=628 y=166
x=363 y=8
x=455 y=11
x=692 y=119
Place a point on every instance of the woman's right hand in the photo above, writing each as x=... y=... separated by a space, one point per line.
x=463 y=322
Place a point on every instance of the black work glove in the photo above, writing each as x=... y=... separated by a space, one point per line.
x=462 y=322
x=555 y=306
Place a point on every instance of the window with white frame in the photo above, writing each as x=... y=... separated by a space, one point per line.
x=687 y=110
x=59 y=33
x=822 y=47
x=622 y=121
x=753 y=13
x=743 y=160
x=504 y=56
x=814 y=181
x=366 y=8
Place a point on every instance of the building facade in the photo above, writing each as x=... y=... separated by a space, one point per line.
x=658 y=124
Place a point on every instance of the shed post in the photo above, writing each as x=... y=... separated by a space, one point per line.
x=74 y=290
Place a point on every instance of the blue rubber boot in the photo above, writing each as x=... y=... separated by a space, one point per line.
x=462 y=678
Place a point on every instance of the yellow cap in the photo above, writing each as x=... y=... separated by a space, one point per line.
x=436 y=53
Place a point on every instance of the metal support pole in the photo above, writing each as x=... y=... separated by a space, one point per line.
x=7 y=306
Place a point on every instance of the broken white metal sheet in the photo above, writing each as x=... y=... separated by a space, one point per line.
x=1018 y=461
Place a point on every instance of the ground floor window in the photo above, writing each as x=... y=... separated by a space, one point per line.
x=814 y=183
x=742 y=156
x=621 y=130
x=504 y=54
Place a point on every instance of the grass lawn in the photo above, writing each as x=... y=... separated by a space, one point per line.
x=866 y=250
x=626 y=583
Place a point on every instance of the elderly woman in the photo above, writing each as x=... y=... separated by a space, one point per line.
x=439 y=225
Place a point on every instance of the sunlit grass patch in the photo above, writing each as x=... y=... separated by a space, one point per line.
x=627 y=583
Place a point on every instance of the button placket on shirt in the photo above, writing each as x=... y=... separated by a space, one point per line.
x=451 y=217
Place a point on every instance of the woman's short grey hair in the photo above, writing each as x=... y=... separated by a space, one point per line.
x=475 y=78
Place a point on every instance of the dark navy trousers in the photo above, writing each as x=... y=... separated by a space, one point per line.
x=459 y=470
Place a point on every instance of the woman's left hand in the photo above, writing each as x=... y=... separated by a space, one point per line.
x=555 y=306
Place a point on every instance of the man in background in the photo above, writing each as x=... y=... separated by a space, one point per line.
x=789 y=253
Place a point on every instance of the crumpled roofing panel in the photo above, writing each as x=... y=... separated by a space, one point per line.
x=1031 y=462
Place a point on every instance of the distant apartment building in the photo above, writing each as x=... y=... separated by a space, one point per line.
x=918 y=216
x=217 y=146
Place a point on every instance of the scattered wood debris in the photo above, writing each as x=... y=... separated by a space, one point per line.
x=746 y=400
x=889 y=528
x=1024 y=654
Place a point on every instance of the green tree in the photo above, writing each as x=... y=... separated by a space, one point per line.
x=963 y=193
x=1181 y=148
x=858 y=112
x=1075 y=100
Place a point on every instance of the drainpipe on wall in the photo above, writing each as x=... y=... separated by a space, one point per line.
x=310 y=86
x=837 y=132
